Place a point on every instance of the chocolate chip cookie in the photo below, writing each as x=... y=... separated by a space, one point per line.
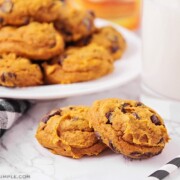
x=35 y=41
x=75 y=24
x=129 y=127
x=78 y=64
x=21 y=12
x=111 y=39
x=66 y=132
x=19 y=72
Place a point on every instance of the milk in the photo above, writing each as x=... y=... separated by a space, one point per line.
x=161 y=47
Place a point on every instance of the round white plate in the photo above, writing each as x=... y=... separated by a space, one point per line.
x=125 y=70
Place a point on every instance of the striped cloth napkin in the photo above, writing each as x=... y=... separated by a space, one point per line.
x=10 y=111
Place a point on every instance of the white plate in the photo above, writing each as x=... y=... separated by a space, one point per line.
x=125 y=70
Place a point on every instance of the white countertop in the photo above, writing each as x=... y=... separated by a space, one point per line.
x=20 y=154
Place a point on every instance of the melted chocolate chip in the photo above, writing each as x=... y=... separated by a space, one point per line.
x=7 y=6
x=108 y=116
x=11 y=75
x=48 y=116
x=3 y=79
x=97 y=135
x=114 y=48
x=155 y=120
x=111 y=146
x=139 y=104
x=136 y=115
x=71 y=108
x=61 y=59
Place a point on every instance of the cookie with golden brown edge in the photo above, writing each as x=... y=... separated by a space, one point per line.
x=129 y=127
x=19 y=72
x=22 y=12
x=78 y=64
x=75 y=24
x=34 y=41
x=66 y=132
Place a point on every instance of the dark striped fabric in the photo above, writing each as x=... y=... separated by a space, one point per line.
x=164 y=171
x=10 y=111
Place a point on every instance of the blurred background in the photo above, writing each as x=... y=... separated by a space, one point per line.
x=123 y=12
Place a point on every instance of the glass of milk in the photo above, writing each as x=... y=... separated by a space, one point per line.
x=161 y=50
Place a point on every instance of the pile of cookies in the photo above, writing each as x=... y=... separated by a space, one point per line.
x=127 y=127
x=50 y=42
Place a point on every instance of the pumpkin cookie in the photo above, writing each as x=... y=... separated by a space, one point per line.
x=21 y=12
x=111 y=39
x=66 y=132
x=78 y=64
x=34 y=41
x=129 y=127
x=19 y=72
x=75 y=24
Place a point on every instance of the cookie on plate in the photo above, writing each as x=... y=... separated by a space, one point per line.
x=35 y=41
x=78 y=64
x=19 y=72
x=129 y=127
x=111 y=39
x=21 y=12
x=66 y=132
x=75 y=24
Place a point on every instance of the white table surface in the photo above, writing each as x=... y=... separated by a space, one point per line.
x=20 y=154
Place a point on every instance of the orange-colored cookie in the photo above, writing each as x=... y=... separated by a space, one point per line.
x=66 y=132
x=34 y=41
x=129 y=127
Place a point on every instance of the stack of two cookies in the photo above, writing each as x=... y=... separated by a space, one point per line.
x=49 y=42
x=126 y=127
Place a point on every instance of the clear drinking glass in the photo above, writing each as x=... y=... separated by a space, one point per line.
x=161 y=54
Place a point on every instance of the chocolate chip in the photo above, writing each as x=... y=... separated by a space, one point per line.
x=160 y=141
x=87 y=23
x=111 y=146
x=140 y=155
x=114 y=48
x=108 y=116
x=91 y=13
x=85 y=41
x=135 y=153
x=61 y=59
x=3 y=79
x=63 y=30
x=48 y=116
x=136 y=115
x=139 y=104
x=26 y=20
x=7 y=6
x=123 y=107
x=71 y=108
x=1 y=20
x=97 y=135
x=155 y=120
x=11 y=75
